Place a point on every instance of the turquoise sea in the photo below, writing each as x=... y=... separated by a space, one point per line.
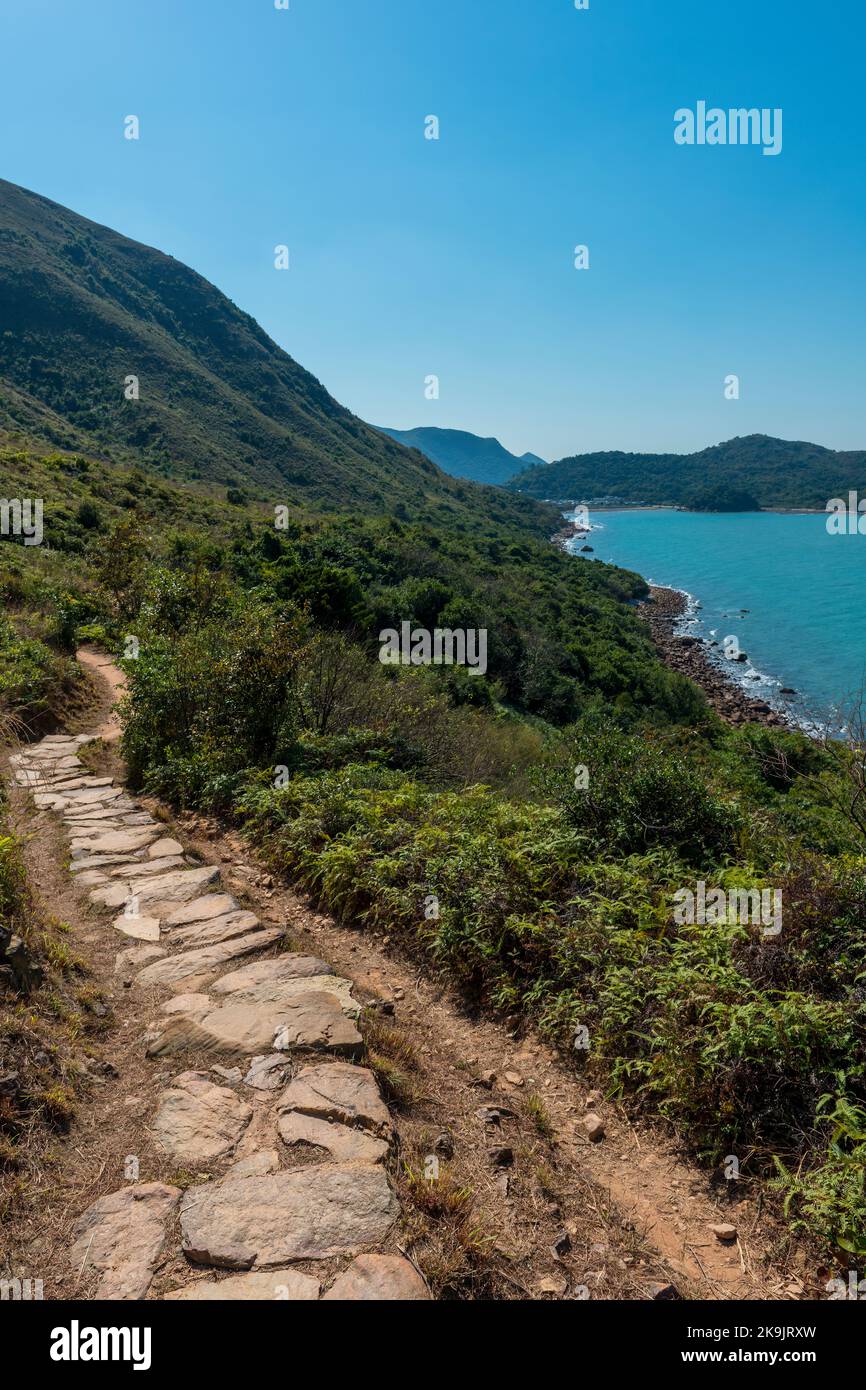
x=793 y=595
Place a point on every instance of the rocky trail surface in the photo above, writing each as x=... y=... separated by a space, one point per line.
x=235 y=1144
x=263 y=1046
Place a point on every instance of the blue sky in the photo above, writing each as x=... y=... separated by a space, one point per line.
x=454 y=257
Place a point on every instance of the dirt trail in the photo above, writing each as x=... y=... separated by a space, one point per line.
x=236 y=1127
x=102 y=668
x=626 y=1217
x=635 y=1174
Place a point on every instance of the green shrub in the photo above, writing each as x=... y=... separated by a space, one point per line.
x=640 y=794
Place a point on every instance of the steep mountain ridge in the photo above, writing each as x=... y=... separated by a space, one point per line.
x=83 y=309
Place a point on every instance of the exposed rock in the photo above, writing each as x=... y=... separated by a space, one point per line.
x=662 y=611
x=338 y=1091
x=561 y=1244
x=112 y=842
x=95 y=796
x=117 y=810
x=724 y=1232
x=164 y=847
x=268 y=1073
x=343 y=1144
x=87 y=862
x=493 y=1114
x=312 y=1213
x=281 y=1284
x=139 y=928
x=188 y=963
x=175 y=887
x=122 y=1236
x=87 y=818
x=285 y=990
x=218 y=929
x=134 y=957
x=255 y=1165
x=233 y=1074
x=64 y=784
x=287 y=966
x=593 y=1127
x=309 y=1020
x=202 y=909
x=99 y=787
x=550 y=1284
x=187 y=1004
x=384 y=1277
x=142 y=867
x=197 y=1121
x=312 y=1020
x=26 y=972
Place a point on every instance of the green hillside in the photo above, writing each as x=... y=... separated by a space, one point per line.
x=555 y=805
x=258 y=649
x=562 y=633
x=462 y=454
x=745 y=473
x=83 y=308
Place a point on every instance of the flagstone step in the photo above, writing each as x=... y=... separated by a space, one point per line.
x=313 y=1135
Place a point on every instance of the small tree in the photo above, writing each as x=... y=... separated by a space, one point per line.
x=121 y=565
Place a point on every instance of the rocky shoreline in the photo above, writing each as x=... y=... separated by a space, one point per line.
x=688 y=655
x=566 y=533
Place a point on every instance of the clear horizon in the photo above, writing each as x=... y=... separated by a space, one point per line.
x=455 y=257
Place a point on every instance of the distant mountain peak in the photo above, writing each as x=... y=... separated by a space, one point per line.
x=83 y=309
x=463 y=454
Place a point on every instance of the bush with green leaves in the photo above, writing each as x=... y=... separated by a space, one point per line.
x=697 y=1023
x=35 y=679
x=638 y=791
x=211 y=691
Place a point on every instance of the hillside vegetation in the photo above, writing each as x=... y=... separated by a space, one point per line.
x=258 y=694
x=742 y=474
x=525 y=832
x=84 y=308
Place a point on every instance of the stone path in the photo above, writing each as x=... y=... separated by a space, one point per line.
x=269 y=1100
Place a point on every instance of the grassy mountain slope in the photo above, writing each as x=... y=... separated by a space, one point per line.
x=462 y=454
x=83 y=308
x=770 y=472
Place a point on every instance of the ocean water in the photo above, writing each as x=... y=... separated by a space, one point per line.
x=793 y=596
